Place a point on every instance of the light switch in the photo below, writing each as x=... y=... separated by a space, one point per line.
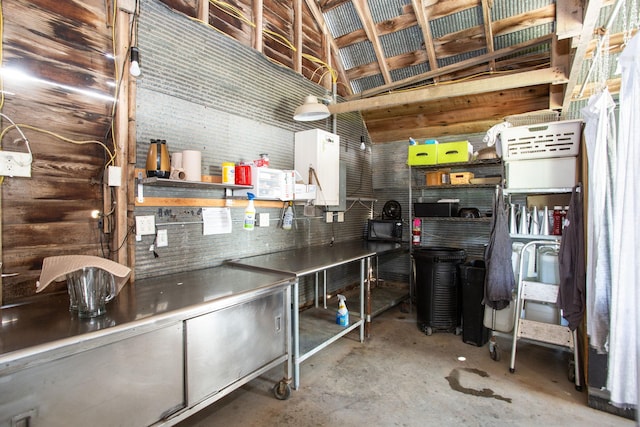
x=263 y=220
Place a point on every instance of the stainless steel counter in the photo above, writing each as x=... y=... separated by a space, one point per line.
x=317 y=329
x=311 y=259
x=148 y=301
x=161 y=352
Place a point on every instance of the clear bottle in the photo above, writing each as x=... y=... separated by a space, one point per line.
x=287 y=220
x=250 y=213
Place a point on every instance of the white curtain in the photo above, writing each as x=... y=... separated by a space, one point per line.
x=623 y=372
x=600 y=141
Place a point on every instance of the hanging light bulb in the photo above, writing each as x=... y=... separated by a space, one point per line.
x=362 y=144
x=134 y=69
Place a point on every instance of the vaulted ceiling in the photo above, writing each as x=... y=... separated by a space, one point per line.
x=426 y=68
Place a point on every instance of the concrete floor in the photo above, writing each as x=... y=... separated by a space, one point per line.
x=402 y=377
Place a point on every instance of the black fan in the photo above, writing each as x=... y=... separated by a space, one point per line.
x=391 y=210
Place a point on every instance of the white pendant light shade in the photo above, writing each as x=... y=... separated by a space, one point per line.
x=311 y=110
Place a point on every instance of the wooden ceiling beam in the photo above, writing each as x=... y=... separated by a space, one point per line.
x=423 y=23
x=362 y=8
x=568 y=18
x=331 y=44
x=589 y=24
x=455 y=67
x=431 y=93
x=488 y=31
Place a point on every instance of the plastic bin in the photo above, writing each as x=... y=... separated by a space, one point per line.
x=438 y=297
x=472 y=279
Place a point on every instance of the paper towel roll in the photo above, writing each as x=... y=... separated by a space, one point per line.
x=178 y=173
x=176 y=160
x=192 y=165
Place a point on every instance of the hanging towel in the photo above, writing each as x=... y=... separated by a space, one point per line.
x=499 y=280
x=571 y=296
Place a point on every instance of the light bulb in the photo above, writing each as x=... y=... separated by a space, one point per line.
x=362 y=144
x=134 y=69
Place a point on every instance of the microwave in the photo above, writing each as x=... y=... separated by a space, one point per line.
x=386 y=230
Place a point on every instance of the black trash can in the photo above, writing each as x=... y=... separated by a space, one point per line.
x=438 y=296
x=472 y=279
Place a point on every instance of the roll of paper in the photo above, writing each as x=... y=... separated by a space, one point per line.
x=176 y=160
x=178 y=173
x=192 y=165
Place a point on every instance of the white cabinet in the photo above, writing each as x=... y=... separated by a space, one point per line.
x=317 y=160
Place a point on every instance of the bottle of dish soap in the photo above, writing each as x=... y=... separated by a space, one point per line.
x=287 y=220
x=250 y=213
x=342 y=316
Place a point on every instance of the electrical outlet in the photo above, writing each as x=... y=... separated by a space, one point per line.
x=145 y=224
x=162 y=239
x=328 y=217
x=263 y=219
x=340 y=216
x=13 y=163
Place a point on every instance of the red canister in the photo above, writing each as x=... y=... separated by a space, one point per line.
x=243 y=175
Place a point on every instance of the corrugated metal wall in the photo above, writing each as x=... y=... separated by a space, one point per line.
x=391 y=182
x=203 y=91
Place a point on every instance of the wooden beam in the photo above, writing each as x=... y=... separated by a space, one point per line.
x=431 y=93
x=206 y=203
x=362 y=8
x=257 y=30
x=297 y=35
x=121 y=135
x=317 y=15
x=203 y=11
x=488 y=31
x=456 y=67
x=423 y=21
x=568 y=18
x=590 y=20
x=560 y=57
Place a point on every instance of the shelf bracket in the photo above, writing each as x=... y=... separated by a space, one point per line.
x=140 y=188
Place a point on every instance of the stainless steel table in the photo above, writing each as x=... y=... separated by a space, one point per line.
x=160 y=353
x=316 y=329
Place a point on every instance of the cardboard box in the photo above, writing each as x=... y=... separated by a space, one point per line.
x=460 y=178
x=454 y=152
x=438 y=177
x=422 y=154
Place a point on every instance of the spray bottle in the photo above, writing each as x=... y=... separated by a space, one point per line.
x=342 y=316
x=287 y=220
x=250 y=213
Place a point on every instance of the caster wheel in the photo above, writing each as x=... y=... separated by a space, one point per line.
x=571 y=372
x=579 y=388
x=494 y=353
x=512 y=370
x=428 y=330
x=282 y=391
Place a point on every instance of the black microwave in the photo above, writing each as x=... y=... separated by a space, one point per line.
x=387 y=230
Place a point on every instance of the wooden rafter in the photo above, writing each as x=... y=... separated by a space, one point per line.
x=362 y=8
x=423 y=21
x=590 y=19
x=488 y=30
x=456 y=67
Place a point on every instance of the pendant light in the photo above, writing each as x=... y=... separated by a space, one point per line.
x=311 y=110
